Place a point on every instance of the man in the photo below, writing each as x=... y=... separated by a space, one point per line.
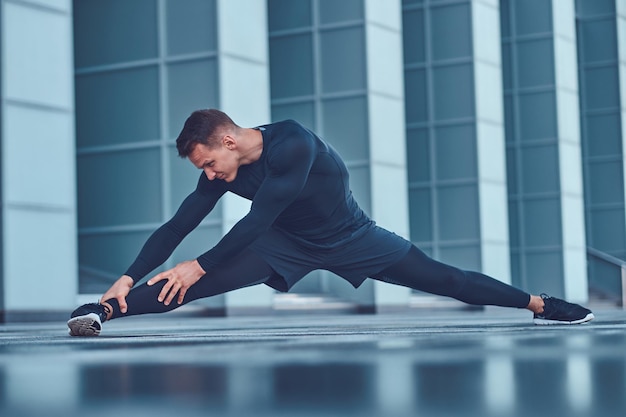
x=303 y=217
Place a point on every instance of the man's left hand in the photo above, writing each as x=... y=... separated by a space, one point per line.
x=179 y=279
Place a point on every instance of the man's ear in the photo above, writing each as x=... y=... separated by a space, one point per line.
x=229 y=142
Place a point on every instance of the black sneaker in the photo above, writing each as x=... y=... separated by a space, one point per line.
x=87 y=319
x=557 y=311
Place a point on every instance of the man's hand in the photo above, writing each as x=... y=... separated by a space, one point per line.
x=119 y=290
x=179 y=279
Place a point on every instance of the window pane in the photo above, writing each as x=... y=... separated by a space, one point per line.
x=451 y=32
x=532 y=16
x=117 y=107
x=343 y=71
x=302 y=112
x=604 y=135
x=288 y=14
x=191 y=86
x=421 y=220
x=514 y=227
x=505 y=20
x=535 y=63
x=507 y=76
x=106 y=254
x=291 y=69
x=454 y=92
x=332 y=11
x=415 y=96
x=418 y=155
x=599 y=40
x=541 y=270
x=107 y=32
x=119 y=188
x=191 y=26
x=601 y=88
x=345 y=127
x=604 y=223
x=197 y=242
x=587 y=8
x=413 y=36
x=542 y=222
x=456 y=152
x=540 y=169
x=537 y=116
x=183 y=180
x=458 y=212
x=606 y=182
x=467 y=257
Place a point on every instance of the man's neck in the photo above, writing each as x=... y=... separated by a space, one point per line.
x=250 y=145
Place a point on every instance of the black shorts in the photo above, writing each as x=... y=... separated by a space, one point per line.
x=368 y=251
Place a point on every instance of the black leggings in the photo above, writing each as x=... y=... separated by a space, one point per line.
x=416 y=270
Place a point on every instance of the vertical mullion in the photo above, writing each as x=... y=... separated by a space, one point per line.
x=163 y=116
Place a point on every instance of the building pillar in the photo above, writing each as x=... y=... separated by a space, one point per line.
x=543 y=148
x=38 y=201
x=244 y=96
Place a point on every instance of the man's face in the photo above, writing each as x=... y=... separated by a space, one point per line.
x=219 y=163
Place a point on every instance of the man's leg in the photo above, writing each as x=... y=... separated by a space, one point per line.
x=246 y=270
x=416 y=270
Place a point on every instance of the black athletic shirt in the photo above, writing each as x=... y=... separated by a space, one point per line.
x=299 y=186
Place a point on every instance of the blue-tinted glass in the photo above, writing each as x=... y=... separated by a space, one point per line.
x=415 y=96
x=542 y=222
x=288 y=14
x=411 y=2
x=106 y=257
x=540 y=169
x=514 y=226
x=451 y=32
x=587 y=8
x=606 y=182
x=505 y=20
x=198 y=241
x=535 y=63
x=332 y=11
x=544 y=272
x=191 y=26
x=509 y=119
x=191 y=85
x=413 y=36
x=532 y=16
x=418 y=155
x=107 y=32
x=511 y=170
x=302 y=112
x=599 y=40
x=601 y=88
x=343 y=71
x=420 y=215
x=603 y=134
x=291 y=66
x=117 y=107
x=454 y=92
x=345 y=126
x=537 y=114
x=119 y=188
x=507 y=75
x=458 y=212
x=607 y=230
x=183 y=180
x=464 y=257
x=456 y=152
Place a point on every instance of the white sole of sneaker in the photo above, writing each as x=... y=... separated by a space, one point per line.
x=87 y=325
x=545 y=322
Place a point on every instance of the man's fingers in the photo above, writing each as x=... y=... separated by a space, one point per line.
x=122 y=303
x=157 y=278
x=181 y=295
x=173 y=291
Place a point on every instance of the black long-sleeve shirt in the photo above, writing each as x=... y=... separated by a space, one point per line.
x=299 y=185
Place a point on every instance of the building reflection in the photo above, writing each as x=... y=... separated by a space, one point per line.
x=492 y=377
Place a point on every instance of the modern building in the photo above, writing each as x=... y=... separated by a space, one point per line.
x=487 y=132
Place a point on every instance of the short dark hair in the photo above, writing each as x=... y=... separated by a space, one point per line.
x=203 y=126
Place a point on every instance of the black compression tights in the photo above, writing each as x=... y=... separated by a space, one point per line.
x=416 y=270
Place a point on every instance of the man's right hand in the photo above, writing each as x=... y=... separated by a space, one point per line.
x=119 y=290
